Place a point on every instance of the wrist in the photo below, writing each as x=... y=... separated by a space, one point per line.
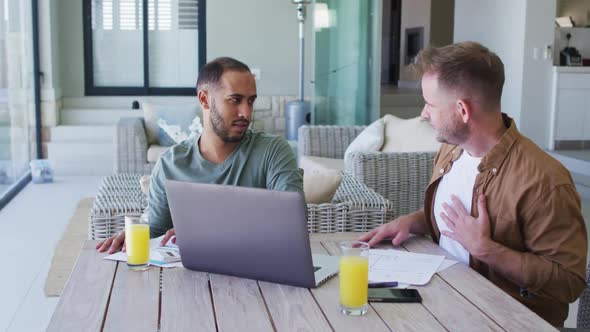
x=484 y=248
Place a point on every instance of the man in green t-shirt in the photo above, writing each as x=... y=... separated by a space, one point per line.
x=226 y=152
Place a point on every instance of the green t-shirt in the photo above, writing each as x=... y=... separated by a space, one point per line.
x=260 y=160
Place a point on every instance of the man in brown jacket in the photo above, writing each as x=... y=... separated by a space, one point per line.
x=496 y=201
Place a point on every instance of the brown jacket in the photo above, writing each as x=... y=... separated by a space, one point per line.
x=534 y=209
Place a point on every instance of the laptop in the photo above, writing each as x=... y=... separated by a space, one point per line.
x=246 y=232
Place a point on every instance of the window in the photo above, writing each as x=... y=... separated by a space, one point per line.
x=143 y=47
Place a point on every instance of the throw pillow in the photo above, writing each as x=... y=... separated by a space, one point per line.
x=320 y=186
x=411 y=135
x=171 y=134
x=370 y=139
x=309 y=164
x=174 y=114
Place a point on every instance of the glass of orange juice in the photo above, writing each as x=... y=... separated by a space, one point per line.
x=137 y=242
x=354 y=278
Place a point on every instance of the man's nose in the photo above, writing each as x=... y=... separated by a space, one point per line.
x=245 y=110
x=425 y=114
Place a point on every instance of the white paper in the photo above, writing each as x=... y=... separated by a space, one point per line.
x=446 y=264
x=402 y=266
x=154 y=245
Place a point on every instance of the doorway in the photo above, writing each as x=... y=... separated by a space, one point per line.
x=390 y=42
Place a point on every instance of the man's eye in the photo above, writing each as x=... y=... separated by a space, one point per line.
x=234 y=100
x=251 y=101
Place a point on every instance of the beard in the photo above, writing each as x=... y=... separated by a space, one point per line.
x=219 y=127
x=455 y=133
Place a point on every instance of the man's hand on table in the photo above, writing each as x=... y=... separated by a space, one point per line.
x=170 y=233
x=113 y=243
x=398 y=230
x=116 y=241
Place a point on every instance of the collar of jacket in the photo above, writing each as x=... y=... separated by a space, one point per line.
x=492 y=160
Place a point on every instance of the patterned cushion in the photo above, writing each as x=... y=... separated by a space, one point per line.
x=173 y=114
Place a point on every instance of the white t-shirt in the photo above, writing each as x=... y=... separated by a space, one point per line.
x=458 y=181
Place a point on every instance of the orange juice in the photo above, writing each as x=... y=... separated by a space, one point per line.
x=354 y=280
x=137 y=242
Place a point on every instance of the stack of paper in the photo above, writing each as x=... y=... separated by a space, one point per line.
x=406 y=268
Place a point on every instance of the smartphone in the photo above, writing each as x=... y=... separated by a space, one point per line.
x=394 y=295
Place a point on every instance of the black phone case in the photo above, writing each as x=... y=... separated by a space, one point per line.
x=417 y=299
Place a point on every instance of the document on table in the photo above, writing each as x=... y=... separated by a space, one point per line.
x=402 y=266
x=154 y=245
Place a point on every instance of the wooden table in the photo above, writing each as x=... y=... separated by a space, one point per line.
x=104 y=295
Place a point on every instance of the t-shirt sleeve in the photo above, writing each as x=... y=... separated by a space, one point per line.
x=157 y=203
x=283 y=173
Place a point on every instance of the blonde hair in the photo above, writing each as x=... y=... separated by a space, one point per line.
x=468 y=67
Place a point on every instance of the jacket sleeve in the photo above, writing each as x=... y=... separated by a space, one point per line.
x=555 y=236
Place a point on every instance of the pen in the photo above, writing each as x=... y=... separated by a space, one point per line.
x=382 y=284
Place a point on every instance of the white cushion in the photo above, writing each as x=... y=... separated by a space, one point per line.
x=320 y=186
x=411 y=135
x=309 y=164
x=154 y=151
x=370 y=139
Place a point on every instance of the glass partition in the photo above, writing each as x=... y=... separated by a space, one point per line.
x=345 y=70
x=17 y=96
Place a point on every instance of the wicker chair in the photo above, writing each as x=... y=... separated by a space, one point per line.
x=401 y=178
x=584 y=305
x=354 y=208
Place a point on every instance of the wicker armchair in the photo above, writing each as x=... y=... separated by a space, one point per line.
x=354 y=208
x=131 y=147
x=401 y=178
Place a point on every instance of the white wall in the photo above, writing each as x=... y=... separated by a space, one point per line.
x=261 y=33
x=49 y=55
x=537 y=73
x=514 y=29
x=71 y=47
x=500 y=26
x=415 y=13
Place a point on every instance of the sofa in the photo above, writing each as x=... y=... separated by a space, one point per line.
x=131 y=147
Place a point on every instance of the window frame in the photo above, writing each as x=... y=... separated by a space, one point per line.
x=90 y=89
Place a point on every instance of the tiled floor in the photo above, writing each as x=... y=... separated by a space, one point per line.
x=32 y=225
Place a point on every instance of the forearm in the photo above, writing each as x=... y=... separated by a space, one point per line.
x=158 y=224
x=538 y=274
x=417 y=222
x=158 y=211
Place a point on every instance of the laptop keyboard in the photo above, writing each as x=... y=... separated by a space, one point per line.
x=315 y=268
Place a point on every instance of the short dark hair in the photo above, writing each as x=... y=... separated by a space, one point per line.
x=466 y=66
x=210 y=74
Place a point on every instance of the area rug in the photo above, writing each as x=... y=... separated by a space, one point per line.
x=68 y=249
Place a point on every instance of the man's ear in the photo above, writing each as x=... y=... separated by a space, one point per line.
x=464 y=109
x=203 y=97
